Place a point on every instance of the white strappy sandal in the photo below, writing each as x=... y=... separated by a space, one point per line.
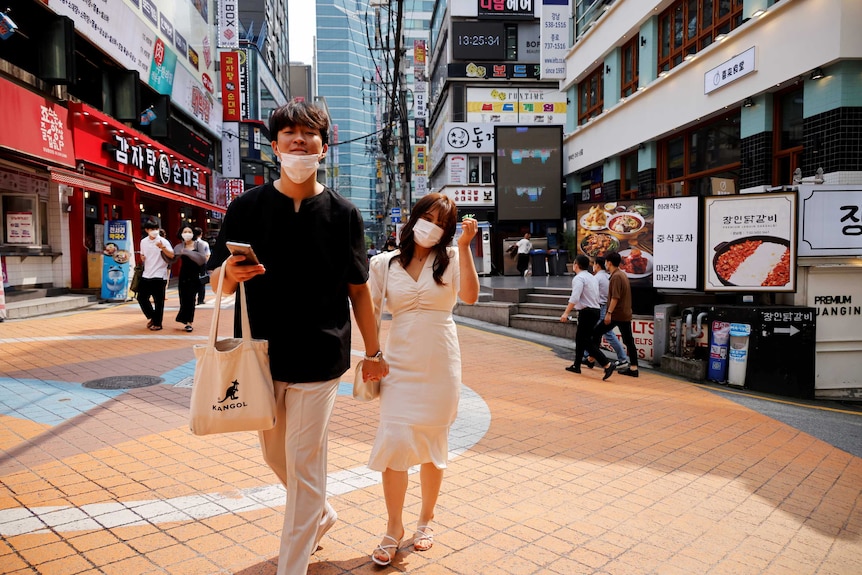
x=423 y=535
x=385 y=549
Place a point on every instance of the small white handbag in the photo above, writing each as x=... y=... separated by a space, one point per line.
x=232 y=388
x=368 y=390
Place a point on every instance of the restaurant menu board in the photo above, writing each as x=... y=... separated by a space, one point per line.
x=750 y=243
x=625 y=227
x=675 y=243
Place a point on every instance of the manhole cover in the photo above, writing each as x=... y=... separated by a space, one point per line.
x=123 y=382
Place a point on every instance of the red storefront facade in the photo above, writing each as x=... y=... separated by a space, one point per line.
x=140 y=179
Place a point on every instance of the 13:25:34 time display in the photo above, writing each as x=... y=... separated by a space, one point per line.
x=478 y=40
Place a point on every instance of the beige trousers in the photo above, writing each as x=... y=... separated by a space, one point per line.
x=295 y=449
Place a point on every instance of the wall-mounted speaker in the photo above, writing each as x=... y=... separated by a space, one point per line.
x=57 y=51
x=126 y=95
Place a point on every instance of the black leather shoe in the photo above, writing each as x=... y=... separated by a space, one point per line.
x=574 y=368
x=590 y=363
x=629 y=372
x=609 y=370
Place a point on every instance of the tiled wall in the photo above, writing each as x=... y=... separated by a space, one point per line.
x=833 y=141
x=756 y=155
x=647 y=183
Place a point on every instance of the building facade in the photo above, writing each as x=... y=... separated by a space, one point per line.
x=746 y=99
x=110 y=115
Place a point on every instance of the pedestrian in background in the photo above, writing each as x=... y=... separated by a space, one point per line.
x=619 y=312
x=155 y=252
x=390 y=245
x=419 y=397
x=205 y=246
x=191 y=257
x=524 y=247
x=585 y=299
x=298 y=300
x=611 y=338
x=372 y=251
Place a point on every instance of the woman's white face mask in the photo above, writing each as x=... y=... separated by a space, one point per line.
x=426 y=234
x=187 y=236
x=298 y=168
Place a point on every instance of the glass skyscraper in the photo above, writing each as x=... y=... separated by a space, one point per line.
x=344 y=73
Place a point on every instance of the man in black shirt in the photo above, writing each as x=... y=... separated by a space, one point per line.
x=298 y=301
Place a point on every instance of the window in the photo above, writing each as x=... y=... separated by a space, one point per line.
x=24 y=220
x=787 y=136
x=590 y=95
x=689 y=161
x=629 y=79
x=629 y=173
x=480 y=169
x=689 y=26
x=511 y=42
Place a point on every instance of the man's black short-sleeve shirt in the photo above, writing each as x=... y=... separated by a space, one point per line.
x=300 y=304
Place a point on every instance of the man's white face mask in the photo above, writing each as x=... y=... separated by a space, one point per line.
x=298 y=168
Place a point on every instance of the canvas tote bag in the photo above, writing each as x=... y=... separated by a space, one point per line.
x=232 y=388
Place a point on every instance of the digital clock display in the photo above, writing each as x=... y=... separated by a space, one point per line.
x=478 y=41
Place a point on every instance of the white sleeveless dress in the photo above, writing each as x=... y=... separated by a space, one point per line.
x=419 y=397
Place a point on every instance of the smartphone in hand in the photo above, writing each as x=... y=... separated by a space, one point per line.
x=241 y=249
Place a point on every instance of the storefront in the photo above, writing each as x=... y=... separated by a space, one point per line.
x=141 y=179
x=36 y=150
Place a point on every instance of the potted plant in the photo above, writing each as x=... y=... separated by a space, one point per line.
x=570 y=243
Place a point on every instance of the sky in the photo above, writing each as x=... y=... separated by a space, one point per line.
x=301 y=30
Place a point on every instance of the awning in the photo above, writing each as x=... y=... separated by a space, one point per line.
x=172 y=195
x=76 y=180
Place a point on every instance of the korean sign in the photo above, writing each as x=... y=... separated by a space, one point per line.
x=730 y=71
x=750 y=243
x=509 y=9
x=516 y=106
x=555 y=38
x=468 y=137
x=831 y=220
x=675 y=243
x=626 y=227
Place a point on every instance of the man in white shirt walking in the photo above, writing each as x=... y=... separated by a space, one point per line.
x=585 y=299
x=154 y=280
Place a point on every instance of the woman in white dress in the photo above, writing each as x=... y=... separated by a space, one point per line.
x=419 y=397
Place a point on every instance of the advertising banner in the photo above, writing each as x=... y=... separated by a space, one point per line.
x=118 y=256
x=750 y=243
x=159 y=38
x=555 y=38
x=470 y=195
x=228 y=27
x=230 y=87
x=676 y=222
x=230 y=150
x=516 y=106
x=506 y=9
x=34 y=125
x=626 y=227
x=3 y=288
x=831 y=220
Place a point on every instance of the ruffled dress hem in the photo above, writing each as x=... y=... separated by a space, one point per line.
x=400 y=446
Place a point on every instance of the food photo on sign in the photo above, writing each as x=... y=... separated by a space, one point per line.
x=751 y=243
x=625 y=227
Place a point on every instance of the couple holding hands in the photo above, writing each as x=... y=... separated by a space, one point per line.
x=298 y=301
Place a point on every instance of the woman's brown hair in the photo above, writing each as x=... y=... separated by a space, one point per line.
x=448 y=217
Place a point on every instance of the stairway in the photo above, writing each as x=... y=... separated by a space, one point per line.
x=27 y=303
x=533 y=309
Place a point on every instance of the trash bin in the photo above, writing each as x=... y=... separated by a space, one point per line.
x=561 y=260
x=719 y=337
x=738 y=356
x=538 y=261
